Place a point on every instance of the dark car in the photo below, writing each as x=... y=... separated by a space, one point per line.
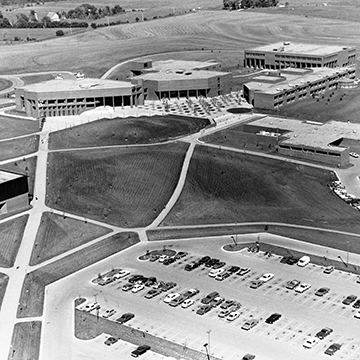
x=111 y=340
x=152 y=293
x=349 y=299
x=140 y=350
x=191 y=267
x=180 y=255
x=356 y=305
x=248 y=357
x=209 y=297
x=285 y=258
x=219 y=265
x=137 y=278
x=243 y=271
x=226 y=304
x=204 y=309
x=204 y=260
x=292 y=284
x=323 y=333
x=332 y=349
x=212 y=262
x=292 y=260
x=272 y=318
x=169 y=261
x=125 y=318
x=168 y=286
x=233 y=269
x=151 y=281
x=322 y=291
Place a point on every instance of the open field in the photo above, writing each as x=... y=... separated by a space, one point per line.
x=4 y=84
x=18 y=147
x=26 y=341
x=58 y=234
x=119 y=131
x=227 y=187
x=96 y=51
x=127 y=187
x=12 y=127
x=25 y=166
x=11 y=233
x=33 y=291
x=3 y=284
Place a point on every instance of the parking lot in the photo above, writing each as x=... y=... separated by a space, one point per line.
x=302 y=314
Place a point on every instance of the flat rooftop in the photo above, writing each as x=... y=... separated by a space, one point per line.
x=303 y=49
x=290 y=79
x=172 y=65
x=310 y=133
x=180 y=75
x=79 y=84
x=6 y=176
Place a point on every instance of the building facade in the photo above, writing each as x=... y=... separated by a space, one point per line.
x=285 y=54
x=277 y=88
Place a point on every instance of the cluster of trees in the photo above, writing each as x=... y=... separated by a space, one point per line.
x=244 y=4
x=87 y=11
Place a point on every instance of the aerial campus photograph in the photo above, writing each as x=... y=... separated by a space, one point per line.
x=179 y=180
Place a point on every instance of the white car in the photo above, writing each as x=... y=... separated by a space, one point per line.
x=187 y=303
x=137 y=288
x=310 y=342
x=302 y=287
x=303 y=261
x=216 y=272
x=354 y=154
x=266 y=277
x=163 y=257
x=121 y=274
x=108 y=313
x=91 y=307
x=170 y=297
x=233 y=315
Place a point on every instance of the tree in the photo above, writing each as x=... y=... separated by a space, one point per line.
x=22 y=21
x=59 y=33
x=137 y=19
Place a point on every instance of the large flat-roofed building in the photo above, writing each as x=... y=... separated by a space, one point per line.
x=286 y=54
x=329 y=143
x=13 y=192
x=274 y=89
x=182 y=79
x=60 y=97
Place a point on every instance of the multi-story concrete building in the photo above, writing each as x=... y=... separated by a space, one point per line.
x=286 y=54
x=277 y=88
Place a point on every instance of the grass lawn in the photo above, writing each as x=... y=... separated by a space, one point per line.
x=12 y=127
x=339 y=105
x=26 y=341
x=58 y=234
x=25 y=166
x=226 y=187
x=3 y=284
x=119 y=131
x=18 y=147
x=11 y=233
x=5 y=84
x=127 y=187
x=31 y=301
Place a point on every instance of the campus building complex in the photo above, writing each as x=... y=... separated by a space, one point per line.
x=60 y=97
x=286 y=54
x=180 y=79
x=13 y=192
x=276 y=88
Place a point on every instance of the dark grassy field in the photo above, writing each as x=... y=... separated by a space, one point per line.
x=126 y=187
x=25 y=166
x=25 y=341
x=58 y=234
x=226 y=187
x=11 y=233
x=3 y=284
x=18 y=147
x=33 y=291
x=119 y=131
x=4 y=84
x=12 y=127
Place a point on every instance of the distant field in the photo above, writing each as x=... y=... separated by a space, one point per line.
x=58 y=234
x=227 y=187
x=127 y=187
x=11 y=233
x=4 y=84
x=119 y=131
x=18 y=147
x=12 y=127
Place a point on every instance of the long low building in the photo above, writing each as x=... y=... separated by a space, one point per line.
x=60 y=97
x=13 y=192
x=274 y=89
x=286 y=54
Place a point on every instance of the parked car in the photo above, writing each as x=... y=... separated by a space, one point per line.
x=322 y=291
x=208 y=298
x=256 y=283
x=292 y=260
x=243 y=271
x=111 y=340
x=90 y=307
x=302 y=287
x=357 y=315
x=354 y=154
x=303 y=261
x=292 y=284
x=310 y=342
x=233 y=315
x=168 y=286
x=180 y=255
x=140 y=350
x=125 y=318
x=108 y=313
x=187 y=303
x=121 y=274
x=212 y=262
x=163 y=257
x=219 y=265
x=169 y=260
x=272 y=318
x=190 y=293
x=323 y=333
x=329 y=269
x=127 y=287
x=152 y=293
x=216 y=272
x=332 y=349
x=285 y=258
x=170 y=297
x=248 y=357
x=137 y=279
x=266 y=277
x=249 y=324
x=356 y=304
x=154 y=257
x=137 y=288
x=204 y=260
x=227 y=303
x=223 y=276
x=177 y=301
x=216 y=301
x=151 y=281
x=204 y=309
x=233 y=269
x=349 y=299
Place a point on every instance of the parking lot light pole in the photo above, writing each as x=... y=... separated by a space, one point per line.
x=208 y=332
x=347 y=253
x=207 y=351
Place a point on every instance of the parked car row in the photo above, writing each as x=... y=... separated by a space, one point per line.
x=110 y=276
x=339 y=189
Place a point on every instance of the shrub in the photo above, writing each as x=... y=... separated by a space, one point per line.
x=59 y=33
